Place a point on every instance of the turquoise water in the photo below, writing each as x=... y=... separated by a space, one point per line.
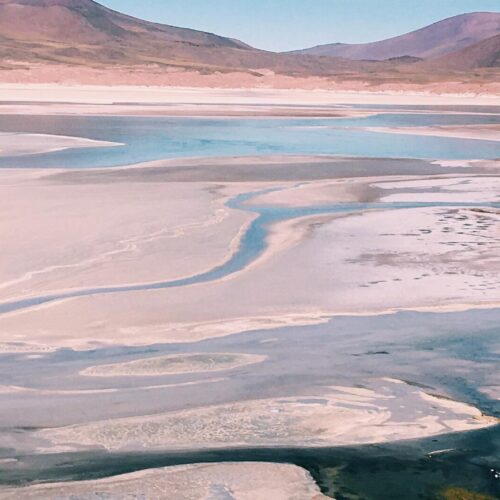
x=148 y=139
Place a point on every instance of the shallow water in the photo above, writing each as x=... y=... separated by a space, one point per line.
x=426 y=349
x=148 y=139
x=455 y=354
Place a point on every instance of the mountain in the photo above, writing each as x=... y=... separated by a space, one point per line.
x=485 y=54
x=440 y=38
x=87 y=22
x=66 y=29
x=81 y=41
x=83 y=32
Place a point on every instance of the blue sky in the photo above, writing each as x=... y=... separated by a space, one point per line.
x=293 y=24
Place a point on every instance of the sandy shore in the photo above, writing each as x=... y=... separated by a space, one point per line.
x=480 y=189
x=476 y=132
x=178 y=109
x=238 y=481
x=453 y=188
x=186 y=97
x=174 y=364
x=77 y=246
x=17 y=144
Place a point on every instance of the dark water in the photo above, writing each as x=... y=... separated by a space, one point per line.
x=448 y=353
x=147 y=138
x=374 y=472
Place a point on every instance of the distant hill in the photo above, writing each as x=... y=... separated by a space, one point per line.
x=445 y=36
x=81 y=40
x=83 y=32
x=72 y=28
x=485 y=54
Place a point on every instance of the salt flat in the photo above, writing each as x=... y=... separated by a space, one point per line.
x=445 y=255
x=338 y=416
x=88 y=242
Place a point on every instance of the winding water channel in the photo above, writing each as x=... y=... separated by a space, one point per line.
x=253 y=243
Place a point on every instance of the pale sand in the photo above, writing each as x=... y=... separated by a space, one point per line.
x=386 y=410
x=14 y=389
x=238 y=481
x=175 y=364
x=435 y=188
x=171 y=332
x=18 y=144
x=485 y=165
x=344 y=190
x=483 y=189
x=185 y=95
x=447 y=258
x=476 y=132
x=180 y=110
x=452 y=188
x=370 y=262
x=365 y=261
x=88 y=242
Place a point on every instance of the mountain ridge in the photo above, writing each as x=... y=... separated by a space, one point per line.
x=47 y=40
x=431 y=41
x=83 y=32
x=93 y=18
x=484 y=54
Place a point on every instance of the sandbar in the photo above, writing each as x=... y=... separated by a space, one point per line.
x=475 y=132
x=174 y=364
x=384 y=410
x=19 y=144
x=238 y=481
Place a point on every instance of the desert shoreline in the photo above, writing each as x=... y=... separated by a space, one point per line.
x=469 y=132
x=136 y=94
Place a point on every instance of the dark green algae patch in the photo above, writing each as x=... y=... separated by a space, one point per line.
x=466 y=469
